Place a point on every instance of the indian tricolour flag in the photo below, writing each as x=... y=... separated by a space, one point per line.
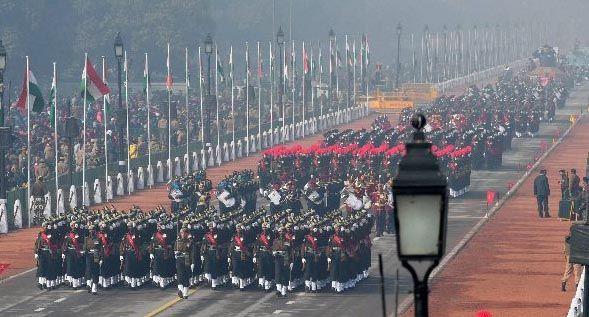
x=92 y=86
x=33 y=92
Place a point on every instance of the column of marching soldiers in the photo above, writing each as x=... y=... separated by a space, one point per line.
x=323 y=203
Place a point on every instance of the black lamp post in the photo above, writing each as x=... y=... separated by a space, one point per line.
x=420 y=196
x=4 y=131
x=399 y=30
x=332 y=65
x=208 y=43
x=280 y=42
x=121 y=113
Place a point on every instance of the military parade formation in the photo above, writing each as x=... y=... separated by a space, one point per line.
x=305 y=220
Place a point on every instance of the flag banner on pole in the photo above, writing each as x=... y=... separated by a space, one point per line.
x=35 y=95
x=146 y=82
x=95 y=87
x=220 y=70
x=52 y=103
x=349 y=54
x=260 y=67
x=169 y=80
x=231 y=63
x=305 y=61
x=339 y=59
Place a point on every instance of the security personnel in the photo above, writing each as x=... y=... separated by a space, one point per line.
x=542 y=191
x=93 y=259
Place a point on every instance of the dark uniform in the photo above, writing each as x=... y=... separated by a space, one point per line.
x=184 y=265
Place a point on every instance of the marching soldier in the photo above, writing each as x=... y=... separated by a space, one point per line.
x=73 y=254
x=211 y=256
x=240 y=259
x=93 y=259
x=281 y=250
x=161 y=256
x=46 y=251
x=263 y=258
x=184 y=266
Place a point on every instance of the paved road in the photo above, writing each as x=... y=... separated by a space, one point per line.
x=20 y=297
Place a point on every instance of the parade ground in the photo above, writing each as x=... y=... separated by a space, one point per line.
x=506 y=260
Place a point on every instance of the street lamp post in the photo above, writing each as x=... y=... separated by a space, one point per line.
x=399 y=29
x=331 y=65
x=4 y=131
x=420 y=197
x=280 y=42
x=121 y=113
x=208 y=43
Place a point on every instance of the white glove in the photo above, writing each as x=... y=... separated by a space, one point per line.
x=304 y=261
x=82 y=252
x=63 y=256
x=192 y=267
x=254 y=260
x=328 y=260
x=202 y=258
x=121 y=258
x=36 y=256
x=274 y=253
x=291 y=266
x=151 y=256
x=228 y=260
x=100 y=262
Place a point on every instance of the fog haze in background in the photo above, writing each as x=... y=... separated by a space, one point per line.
x=61 y=30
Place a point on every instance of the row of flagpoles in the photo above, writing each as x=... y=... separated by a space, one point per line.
x=95 y=88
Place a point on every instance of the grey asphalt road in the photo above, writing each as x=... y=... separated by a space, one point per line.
x=20 y=297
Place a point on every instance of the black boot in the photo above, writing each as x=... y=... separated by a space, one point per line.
x=564 y=287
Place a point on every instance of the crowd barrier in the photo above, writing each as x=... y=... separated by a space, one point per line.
x=142 y=175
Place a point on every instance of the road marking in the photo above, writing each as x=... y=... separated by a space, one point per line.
x=39 y=309
x=290 y=302
x=79 y=291
x=167 y=305
x=17 y=275
x=59 y=300
x=276 y=312
x=464 y=217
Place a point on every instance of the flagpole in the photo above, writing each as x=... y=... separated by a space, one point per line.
x=347 y=73
x=169 y=83
x=104 y=123
x=127 y=123
x=272 y=76
x=187 y=80
x=312 y=67
x=293 y=87
x=320 y=83
x=202 y=125
x=354 y=73
x=259 y=137
x=303 y=86
x=283 y=83
x=247 y=99
x=55 y=136
x=217 y=100
x=148 y=105
x=232 y=101
x=84 y=130
x=337 y=79
x=28 y=145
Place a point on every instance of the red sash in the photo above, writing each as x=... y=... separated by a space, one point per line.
x=72 y=237
x=161 y=240
x=105 y=245
x=211 y=239
x=52 y=246
x=265 y=240
x=239 y=242
x=312 y=241
x=131 y=242
x=338 y=241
